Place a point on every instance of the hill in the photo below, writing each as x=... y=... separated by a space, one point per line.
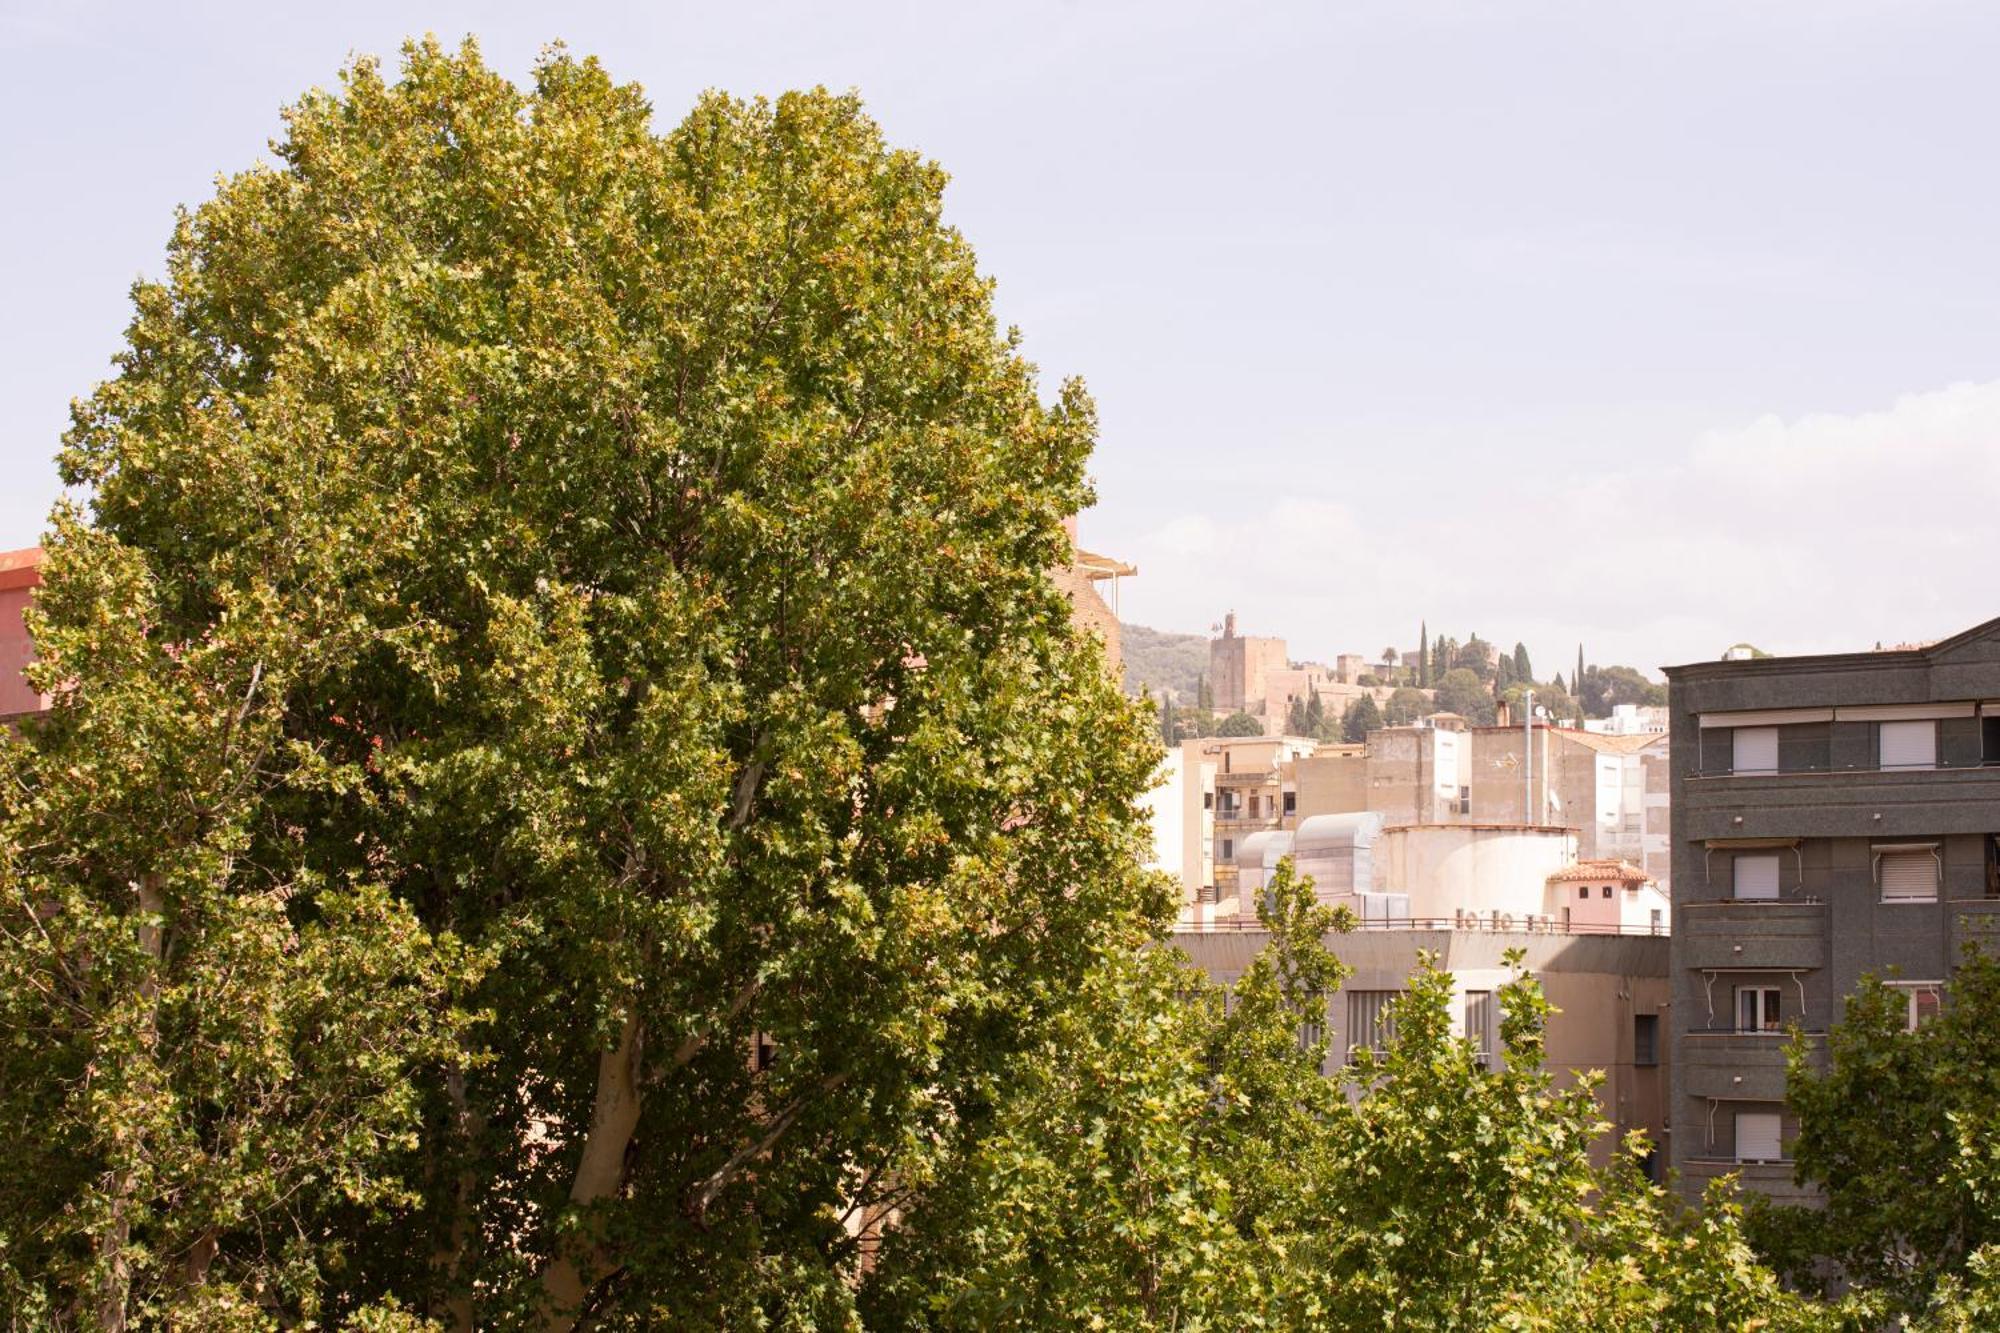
x=1166 y=661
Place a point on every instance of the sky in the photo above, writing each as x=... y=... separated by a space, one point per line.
x=1654 y=328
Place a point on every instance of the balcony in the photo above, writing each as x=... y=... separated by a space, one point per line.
x=1750 y=933
x=1769 y=1178
x=1726 y=1065
x=1842 y=803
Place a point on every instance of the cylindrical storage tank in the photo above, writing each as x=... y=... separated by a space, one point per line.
x=1480 y=869
x=1256 y=857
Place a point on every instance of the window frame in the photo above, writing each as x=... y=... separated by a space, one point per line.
x=1736 y=737
x=1778 y=1137
x=1908 y=726
x=1914 y=1016
x=1880 y=855
x=1770 y=1006
x=1736 y=864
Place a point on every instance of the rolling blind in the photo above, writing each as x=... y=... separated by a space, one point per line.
x=1367 y=1025
x=1909 y=745
x=1757 y=1137
x=1482 y=1024
x=1909 y=875
x=1755 y=750
x=1757 y=875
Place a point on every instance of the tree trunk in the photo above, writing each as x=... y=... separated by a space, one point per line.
x=599 y=1174
x=449 y=1260
x=114 y=1293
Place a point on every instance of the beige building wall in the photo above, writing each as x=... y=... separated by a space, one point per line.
x=1601 y=987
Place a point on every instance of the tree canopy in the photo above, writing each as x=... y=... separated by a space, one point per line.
x=566 y=760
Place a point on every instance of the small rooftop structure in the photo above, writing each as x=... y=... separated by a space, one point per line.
x=1595 y=869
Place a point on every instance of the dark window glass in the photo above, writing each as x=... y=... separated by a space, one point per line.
x=1645 y=1039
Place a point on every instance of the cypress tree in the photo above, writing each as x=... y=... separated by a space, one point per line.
x=1424 y=653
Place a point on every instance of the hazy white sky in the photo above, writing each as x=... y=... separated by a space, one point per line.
x=1655 y=326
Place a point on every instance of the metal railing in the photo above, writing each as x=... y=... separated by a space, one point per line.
x=1470 y=923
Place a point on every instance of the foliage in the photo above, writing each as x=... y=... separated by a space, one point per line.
x=583 y=577
x=1406 y=705
x=1897 y=1133
x=1474 y=655
x=1185 y=1164
x=1463 y=693
x=217 y=1041
x=1171 y=663
x=1362 y=716
x=1240 y=724
x=1605 y=687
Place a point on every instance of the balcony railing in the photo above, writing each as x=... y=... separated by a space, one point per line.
x=1477 y=924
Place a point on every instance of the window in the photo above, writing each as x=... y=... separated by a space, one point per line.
x=1923 y=1000
x=1659 y=922
x=1369 y=1025
x=1757 y=1010
x=1291 y=802
x=1989 y=731
x=1645 y=1039
x=1758 y=1137
x=1313 y=1031
x=1465 y=800
x=1583 y=890
x=1907 y=874
x=1228 y=848
x=1607 y=891
x=1208 y=800
x=1482 y=1025
x=1754 y=750
x=1756 y=876
x=1907 y=745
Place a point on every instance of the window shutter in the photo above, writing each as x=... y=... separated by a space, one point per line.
x=1757 y=876
x=1755 y=749
x=1909 y=875
x=1757 y=1137
x=1909 y=745
x=1481 y=1025
x=1367 y=1025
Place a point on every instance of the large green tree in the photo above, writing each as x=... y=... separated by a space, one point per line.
x=1463 y=693
x=1896 y=1131
x=626 y=553
x=1183 y=1161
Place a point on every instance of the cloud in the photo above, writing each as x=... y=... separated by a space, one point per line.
x=1823 y=533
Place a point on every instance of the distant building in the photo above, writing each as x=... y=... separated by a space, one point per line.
x=1612 y=790
x=1239 y=668
x=20 y=575
x=1630 y=720
x=1832 y=815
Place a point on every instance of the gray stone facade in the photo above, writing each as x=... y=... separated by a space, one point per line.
x=1873 y=781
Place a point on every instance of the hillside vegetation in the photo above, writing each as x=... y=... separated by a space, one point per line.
x=1163 y=660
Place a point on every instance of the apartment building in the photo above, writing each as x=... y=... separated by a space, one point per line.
x=1831 y=816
